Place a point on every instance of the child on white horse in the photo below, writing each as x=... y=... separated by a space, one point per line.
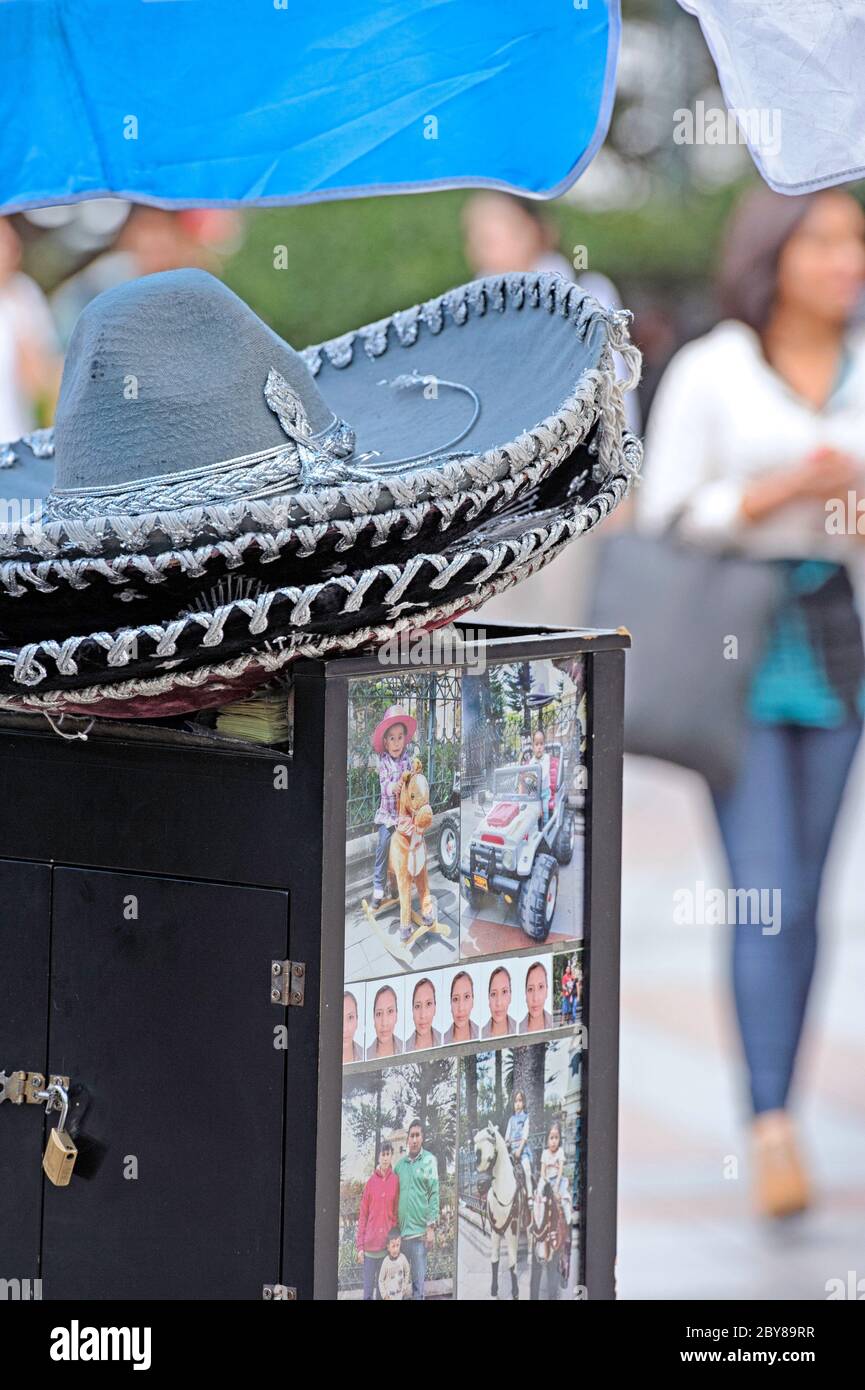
x=517 y=1138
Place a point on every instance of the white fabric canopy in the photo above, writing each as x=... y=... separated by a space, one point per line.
x=793 y=72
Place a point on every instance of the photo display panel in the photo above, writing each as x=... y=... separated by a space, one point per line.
x=464 y=985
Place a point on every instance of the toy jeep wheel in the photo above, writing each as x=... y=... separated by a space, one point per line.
x=566 y=838
x=449 y=846
x=538 y=897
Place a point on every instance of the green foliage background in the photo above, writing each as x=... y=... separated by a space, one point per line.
x=350 y=263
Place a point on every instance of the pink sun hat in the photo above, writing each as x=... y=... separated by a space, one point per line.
x=394 y=715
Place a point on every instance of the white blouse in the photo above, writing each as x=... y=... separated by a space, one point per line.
x=723 y=417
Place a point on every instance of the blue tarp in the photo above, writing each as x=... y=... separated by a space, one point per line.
x=191 y=102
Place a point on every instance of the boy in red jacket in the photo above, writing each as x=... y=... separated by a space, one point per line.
x=379 y=1212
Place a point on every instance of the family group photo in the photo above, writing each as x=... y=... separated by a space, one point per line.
x=568 y=986
x=397 y=1213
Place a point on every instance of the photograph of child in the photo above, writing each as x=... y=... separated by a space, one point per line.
x=398 y=1175
x=402 y=895
x=522 y=833
x=499 y=1024
x=537 y=989
x=390 y=739
x=462 y=1002
x=552 y=1170
x=386 y=1008
x=519 y=1139
x=353 y=1031
x=540 y=758
x=555 y=1271
x=568 y=988
x=425 y=1012
x=394 y=1280
x=379 y=1213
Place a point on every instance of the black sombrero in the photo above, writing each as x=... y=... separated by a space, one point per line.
x=221 y=503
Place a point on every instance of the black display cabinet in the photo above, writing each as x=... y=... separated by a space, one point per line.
x=185 y=921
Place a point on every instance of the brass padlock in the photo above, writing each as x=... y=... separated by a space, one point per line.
x=60 y=1154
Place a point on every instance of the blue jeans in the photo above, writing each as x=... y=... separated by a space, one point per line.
x=777 y=823
x=379 y=873
x=371 y=1271
x=415 y=1251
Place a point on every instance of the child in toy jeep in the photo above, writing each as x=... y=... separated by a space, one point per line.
x=546 y=757
x=516 y=849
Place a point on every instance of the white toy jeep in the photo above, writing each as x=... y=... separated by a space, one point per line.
x=517 y=848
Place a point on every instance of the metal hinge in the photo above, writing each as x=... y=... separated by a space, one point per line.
x=27 y=1086
x=282 y=1293
x=287 y=983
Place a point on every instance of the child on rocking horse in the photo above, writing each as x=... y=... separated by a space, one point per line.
x=390 y=740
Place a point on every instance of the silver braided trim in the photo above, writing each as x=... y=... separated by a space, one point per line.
x=253 y=475
x=528 y=464
x=597 y=395
x=611 y=404
x=511 y=558
x=269 y=661
x=266 y=473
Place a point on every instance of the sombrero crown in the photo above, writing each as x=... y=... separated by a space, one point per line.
x=172 y=394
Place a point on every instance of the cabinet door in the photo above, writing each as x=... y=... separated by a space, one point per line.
x=24 y=934
x=160 y=1009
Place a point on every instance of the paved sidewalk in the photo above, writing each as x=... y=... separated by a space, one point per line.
x=685 y=1228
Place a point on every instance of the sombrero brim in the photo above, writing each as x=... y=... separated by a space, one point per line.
x=340 y=612
x=557 y=338
x=47 y=599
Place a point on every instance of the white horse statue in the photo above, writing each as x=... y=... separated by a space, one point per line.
x=507 y=1202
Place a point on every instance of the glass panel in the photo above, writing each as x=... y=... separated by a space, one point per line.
x=460 y=1149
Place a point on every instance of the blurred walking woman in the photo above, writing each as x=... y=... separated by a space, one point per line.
x=755 y=428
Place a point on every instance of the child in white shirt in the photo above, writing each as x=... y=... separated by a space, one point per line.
x=553 y=1168
x=541 y=760
x=394 y=1280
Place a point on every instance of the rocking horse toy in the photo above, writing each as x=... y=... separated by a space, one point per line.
x=407 y=870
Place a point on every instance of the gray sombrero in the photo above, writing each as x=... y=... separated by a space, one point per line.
x=221 y=503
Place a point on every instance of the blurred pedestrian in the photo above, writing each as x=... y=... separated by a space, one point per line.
x=151 y=240
x=755 y=428
x=504 y=233
x=30 y=362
